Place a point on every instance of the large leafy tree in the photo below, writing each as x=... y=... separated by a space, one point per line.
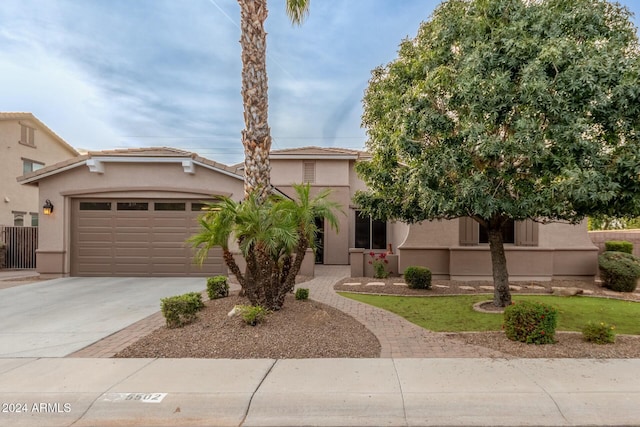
x=505 y=110
x=273 y=235
x=256 y=137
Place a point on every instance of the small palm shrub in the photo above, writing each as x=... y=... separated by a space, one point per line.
x=418 y=277
x=618 y=246
x=302 y=294
x=252 y=314
x=530 y=322
x=181 y=309
x=619 y=271
x=599 y=333
x=217 y=287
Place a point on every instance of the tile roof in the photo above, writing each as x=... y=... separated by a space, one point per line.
x=320 y=151
x=146 y=152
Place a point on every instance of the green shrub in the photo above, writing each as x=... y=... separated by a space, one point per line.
x=302 y=294
x=619 y=271
x=418 y=277
x=530 y=322
x=252 y=314
x=217 y=287
x=618 y=246
x=181 y=309
x=599 y=333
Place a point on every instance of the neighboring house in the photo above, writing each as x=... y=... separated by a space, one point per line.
x=26 y=145
x=129 y=212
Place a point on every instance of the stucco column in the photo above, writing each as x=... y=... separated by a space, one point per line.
x=356 y=260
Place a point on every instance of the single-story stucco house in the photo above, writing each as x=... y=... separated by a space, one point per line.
x=129 y=212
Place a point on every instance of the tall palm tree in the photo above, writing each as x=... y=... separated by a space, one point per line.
x=256 y=137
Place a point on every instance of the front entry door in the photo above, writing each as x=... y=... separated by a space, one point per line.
x=320 y=241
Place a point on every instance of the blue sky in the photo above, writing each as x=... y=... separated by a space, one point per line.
x=109 y=74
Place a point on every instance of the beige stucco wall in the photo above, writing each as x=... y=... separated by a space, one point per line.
x=601 y=236
x=336 y=243
x=14 y=196
x=119 y=180
x=331 y=174
x=564 y=251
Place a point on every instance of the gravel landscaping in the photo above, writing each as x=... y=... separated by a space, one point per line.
x=308 y=329
x=302 y=329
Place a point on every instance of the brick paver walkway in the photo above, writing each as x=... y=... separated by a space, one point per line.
x=398 y=337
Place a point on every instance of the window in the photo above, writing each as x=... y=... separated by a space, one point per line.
x=34 y=219
x=95 y=206
x=520 y=233
x=197 y=207
x=133 y=206
x=508 y=233
x=29 y=166
x=370 y=233
x=201 y=206
x=309 y=172
x=169 y=206
x=27 y=135
x=18 y=219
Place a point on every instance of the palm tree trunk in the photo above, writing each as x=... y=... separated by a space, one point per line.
x=231 y=263
x=256 y=137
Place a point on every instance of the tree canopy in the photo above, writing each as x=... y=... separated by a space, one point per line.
x=507 y=109
x=528 y=108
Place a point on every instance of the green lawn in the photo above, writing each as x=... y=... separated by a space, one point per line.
x=456 y=314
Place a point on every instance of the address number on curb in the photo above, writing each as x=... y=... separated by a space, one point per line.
x=134 y=397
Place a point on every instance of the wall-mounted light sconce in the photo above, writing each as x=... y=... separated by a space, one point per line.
x=47 y=208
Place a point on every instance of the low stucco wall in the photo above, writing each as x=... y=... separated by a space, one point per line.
x=564 y=252
x=523 y=263
x=362 y=264
x=600 y=237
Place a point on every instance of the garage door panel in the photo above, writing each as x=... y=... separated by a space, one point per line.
x=96 y=251
x=132 y=223
x=137 y=243
x=129 y=252
x=171 y=221
x=94 y=237
x=97 y=222
x=138 y=237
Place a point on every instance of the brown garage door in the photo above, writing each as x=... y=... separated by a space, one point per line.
x=120 y=237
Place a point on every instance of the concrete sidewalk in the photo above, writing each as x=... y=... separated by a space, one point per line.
x=327 y=392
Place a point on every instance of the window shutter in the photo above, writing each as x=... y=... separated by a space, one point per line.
x=468 y=231
x=527 y=233
x=27 y=135
x=309 y=172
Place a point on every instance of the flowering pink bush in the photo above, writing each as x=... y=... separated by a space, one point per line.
x=378 y=261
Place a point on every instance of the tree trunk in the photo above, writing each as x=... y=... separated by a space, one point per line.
x=256 y=137
x=289 y=280
x=231 y=263
x=501 y=293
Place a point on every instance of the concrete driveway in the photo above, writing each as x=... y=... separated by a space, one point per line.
x=54 y=318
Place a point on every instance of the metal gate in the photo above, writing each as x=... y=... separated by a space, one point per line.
x=20 y=247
